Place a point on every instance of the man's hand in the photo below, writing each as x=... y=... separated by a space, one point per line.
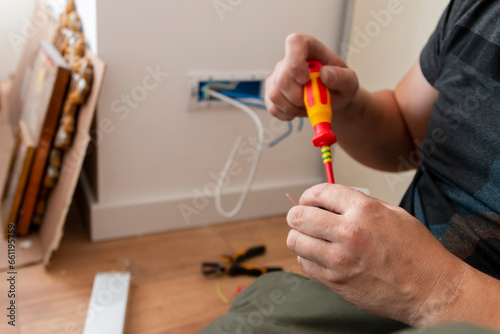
x=377 y=129
x=285 y=87
x=376 y=256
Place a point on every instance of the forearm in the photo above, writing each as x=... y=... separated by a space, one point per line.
x=373 y=131
x=477 y=302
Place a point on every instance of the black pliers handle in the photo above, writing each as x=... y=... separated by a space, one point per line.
x=231 y=265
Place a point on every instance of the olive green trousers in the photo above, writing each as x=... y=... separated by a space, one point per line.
x=292 y=304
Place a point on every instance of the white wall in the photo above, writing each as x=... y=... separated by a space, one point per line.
x=14 y=15
x=87 y=9
x=380 y=62
x=16 y=18
x=162 y=149
x=159 y=151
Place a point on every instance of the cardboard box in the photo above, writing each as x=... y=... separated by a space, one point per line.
x=38 y=247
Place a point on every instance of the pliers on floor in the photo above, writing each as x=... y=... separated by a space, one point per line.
x=231 y=265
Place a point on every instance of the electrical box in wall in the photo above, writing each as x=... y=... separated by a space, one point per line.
x=245 y=83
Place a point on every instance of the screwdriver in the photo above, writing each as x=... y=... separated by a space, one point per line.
x=318 y=101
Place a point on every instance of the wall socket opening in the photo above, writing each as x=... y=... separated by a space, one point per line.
x=245 y=83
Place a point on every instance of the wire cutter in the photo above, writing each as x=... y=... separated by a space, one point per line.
x=231 y=265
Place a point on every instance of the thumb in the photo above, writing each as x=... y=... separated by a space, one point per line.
x=340 y=79
x=329 y=76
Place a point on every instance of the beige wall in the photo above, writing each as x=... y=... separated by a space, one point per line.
x=155 y=155
x=381 y=58
x=16 y=22
x=15 y=17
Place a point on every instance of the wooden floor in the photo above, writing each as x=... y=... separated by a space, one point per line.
x=168 y=292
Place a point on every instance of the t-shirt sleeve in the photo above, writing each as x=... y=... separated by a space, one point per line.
x=430 y=58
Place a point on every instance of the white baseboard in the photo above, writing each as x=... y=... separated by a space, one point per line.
x=135 y=219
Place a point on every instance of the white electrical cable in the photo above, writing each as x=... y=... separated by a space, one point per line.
x=223 y=174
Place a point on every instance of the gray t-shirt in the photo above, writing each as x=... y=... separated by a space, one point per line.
x=456 y=192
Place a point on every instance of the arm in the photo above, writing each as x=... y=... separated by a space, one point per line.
x=477 y=302
x=374 y=128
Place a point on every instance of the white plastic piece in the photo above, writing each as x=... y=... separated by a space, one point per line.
x=363 y=190
x=260 y=145
x=26 y=244
x=108 y=304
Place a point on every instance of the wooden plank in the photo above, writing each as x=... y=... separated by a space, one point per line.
x=19 y=169
x=52 y=65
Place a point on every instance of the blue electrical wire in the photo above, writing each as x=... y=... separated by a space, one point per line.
x=247 y=96
x=283 y=136
x=301 y=123
x=241 y=97
x=257 y=105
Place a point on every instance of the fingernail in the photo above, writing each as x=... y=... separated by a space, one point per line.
x=329 y=76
